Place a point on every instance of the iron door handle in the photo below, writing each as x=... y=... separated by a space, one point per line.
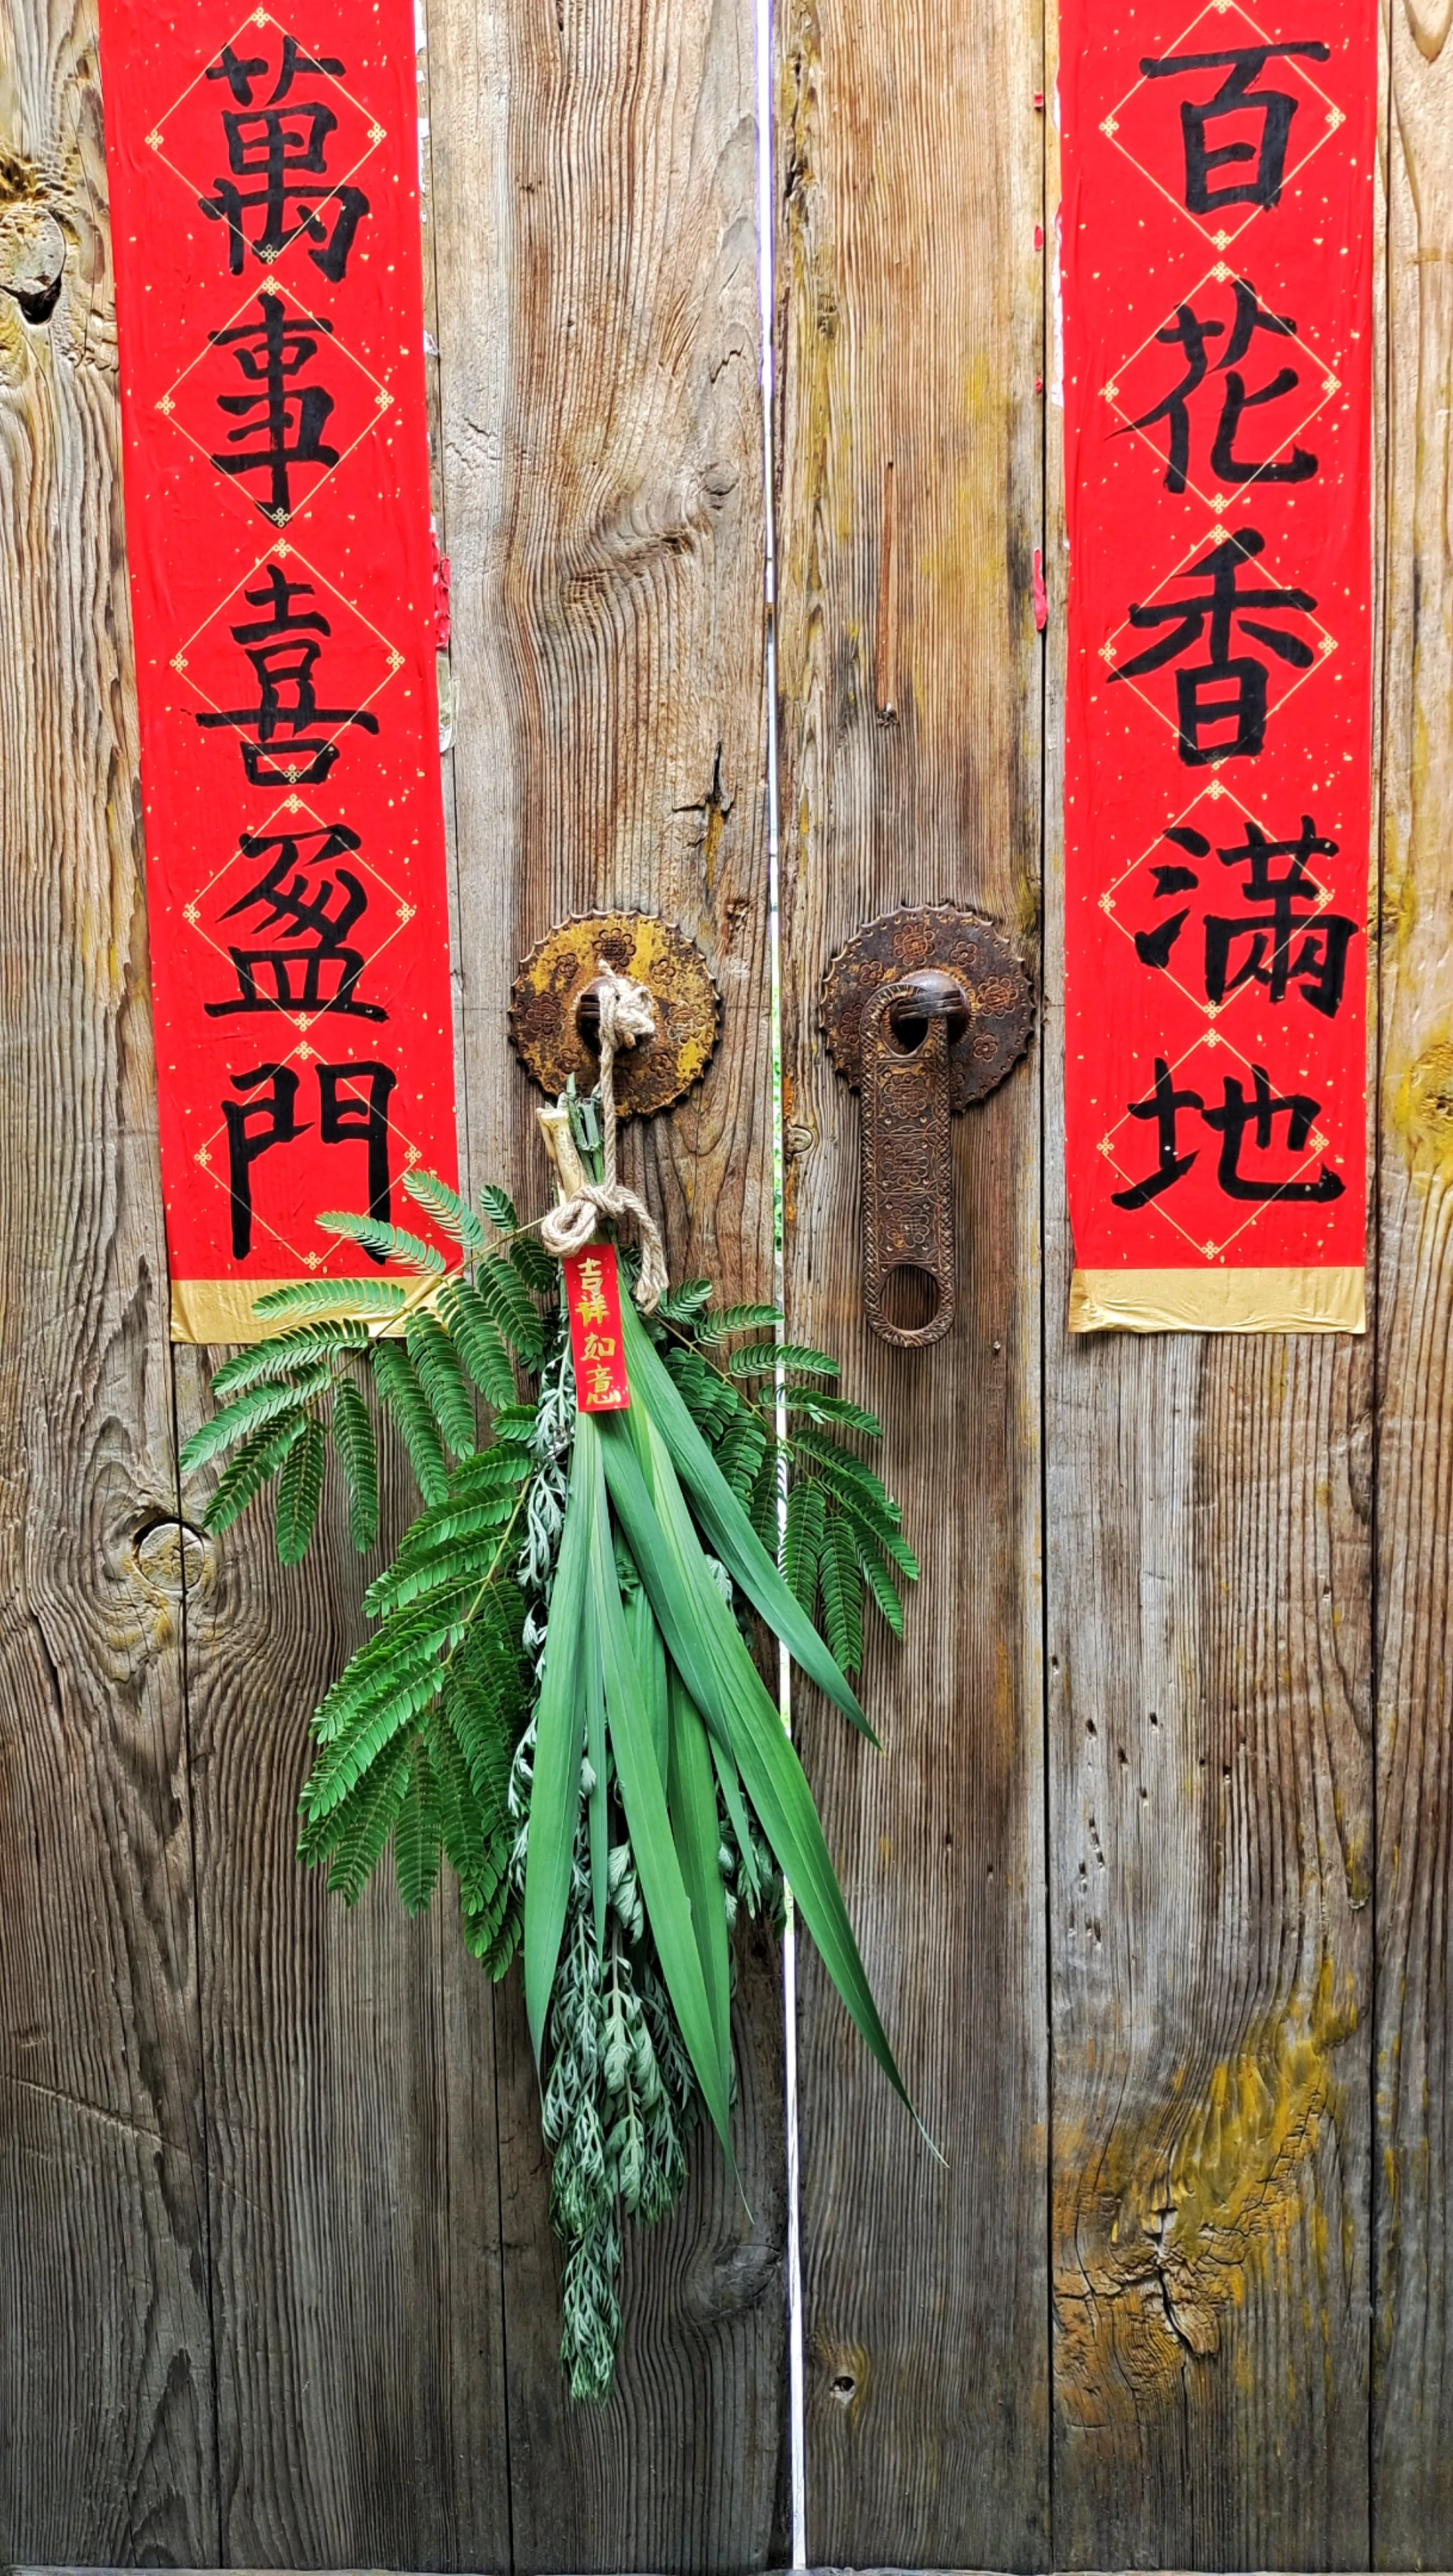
x=923 y=1013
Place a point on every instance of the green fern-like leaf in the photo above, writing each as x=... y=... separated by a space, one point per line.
x=325 y=1296
x=742 y=1449
x=398 y=1383
x=841 y=1581
x=478 y=1341
x=443 y=1382
x=418 y=1834
x=389 y=1242
x=879 y=1582
x=762 y=1359
x=355 y=1834
x=433 y=1574
x=266 y=1362
x=540 y=1274
x=762 y=1508
x=448 y=1210
x=476 y=1337
x=680 y=1305
x=813 y=1405
x=499 y=1207
x=802 y=1546
x=256 y=1462
x=354 y=1442
x=248 y=1413
x=299 y=1492
x=510 y=1307
x=719 y=1322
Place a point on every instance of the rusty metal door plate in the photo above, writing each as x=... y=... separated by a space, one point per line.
x=555 y=1014
x=924 y=1012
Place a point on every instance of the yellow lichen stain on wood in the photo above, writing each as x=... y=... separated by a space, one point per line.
x=1158 y=2234
x=1422 y=1110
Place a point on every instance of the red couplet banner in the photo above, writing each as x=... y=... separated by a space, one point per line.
x=1217 y=282
x=265 y=211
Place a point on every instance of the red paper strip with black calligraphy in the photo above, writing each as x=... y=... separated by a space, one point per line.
x=265 y=208
x=1217 y=255
x=593 y=1296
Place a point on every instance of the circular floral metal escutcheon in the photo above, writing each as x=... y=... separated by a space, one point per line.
x=556 y=976
x=995 y=981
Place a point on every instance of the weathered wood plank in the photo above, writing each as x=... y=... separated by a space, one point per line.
x=351 y=2105
x=105 y=2373
x=1413 y=2328
x=910 y=188
x=1208 y=1594
x=595 y=179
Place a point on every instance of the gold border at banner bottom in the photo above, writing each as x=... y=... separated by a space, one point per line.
x=1218 y=1301
x=220 y=1310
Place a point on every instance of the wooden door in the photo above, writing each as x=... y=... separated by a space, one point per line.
x=1154 y=1880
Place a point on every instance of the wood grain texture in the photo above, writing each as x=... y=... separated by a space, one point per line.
x=1208 y=1579
x=594 y=167
x=1413 y=2330
x=351 y=2110
x=105 y=2367
x=909 y=187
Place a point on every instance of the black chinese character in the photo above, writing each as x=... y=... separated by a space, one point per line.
x=1191 y=334
x=291 y=418
x=1238 y=1114
x=287 y=704
x=320 y=972
x=347 y=1120
x=1164 y=1106
x=1153 y=947
x=1287 y=943
x=239 y=71
x=254 y=1126
x=1235 y=97
x=1225 y=689
x=284 y=149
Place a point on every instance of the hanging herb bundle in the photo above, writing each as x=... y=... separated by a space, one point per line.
x=560 y=1698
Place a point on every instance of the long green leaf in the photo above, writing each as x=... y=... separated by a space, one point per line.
x=597 y=1829
x=692 y=1800
x=650 y=1654
x=727 y=1526
x=705 y=1643
x=559 y=1733
x=643 y=1796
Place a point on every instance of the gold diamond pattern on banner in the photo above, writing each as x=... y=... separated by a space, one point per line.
x=1110 y=649
x=245 y=31
x=1115 y=1142
x=1220 y=236
x=1244 y=492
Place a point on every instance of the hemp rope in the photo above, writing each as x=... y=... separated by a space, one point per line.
x=626 y=1014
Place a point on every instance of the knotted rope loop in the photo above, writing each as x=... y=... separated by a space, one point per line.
x=626 y=1015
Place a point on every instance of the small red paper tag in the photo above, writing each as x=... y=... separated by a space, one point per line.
x=593 y=1289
